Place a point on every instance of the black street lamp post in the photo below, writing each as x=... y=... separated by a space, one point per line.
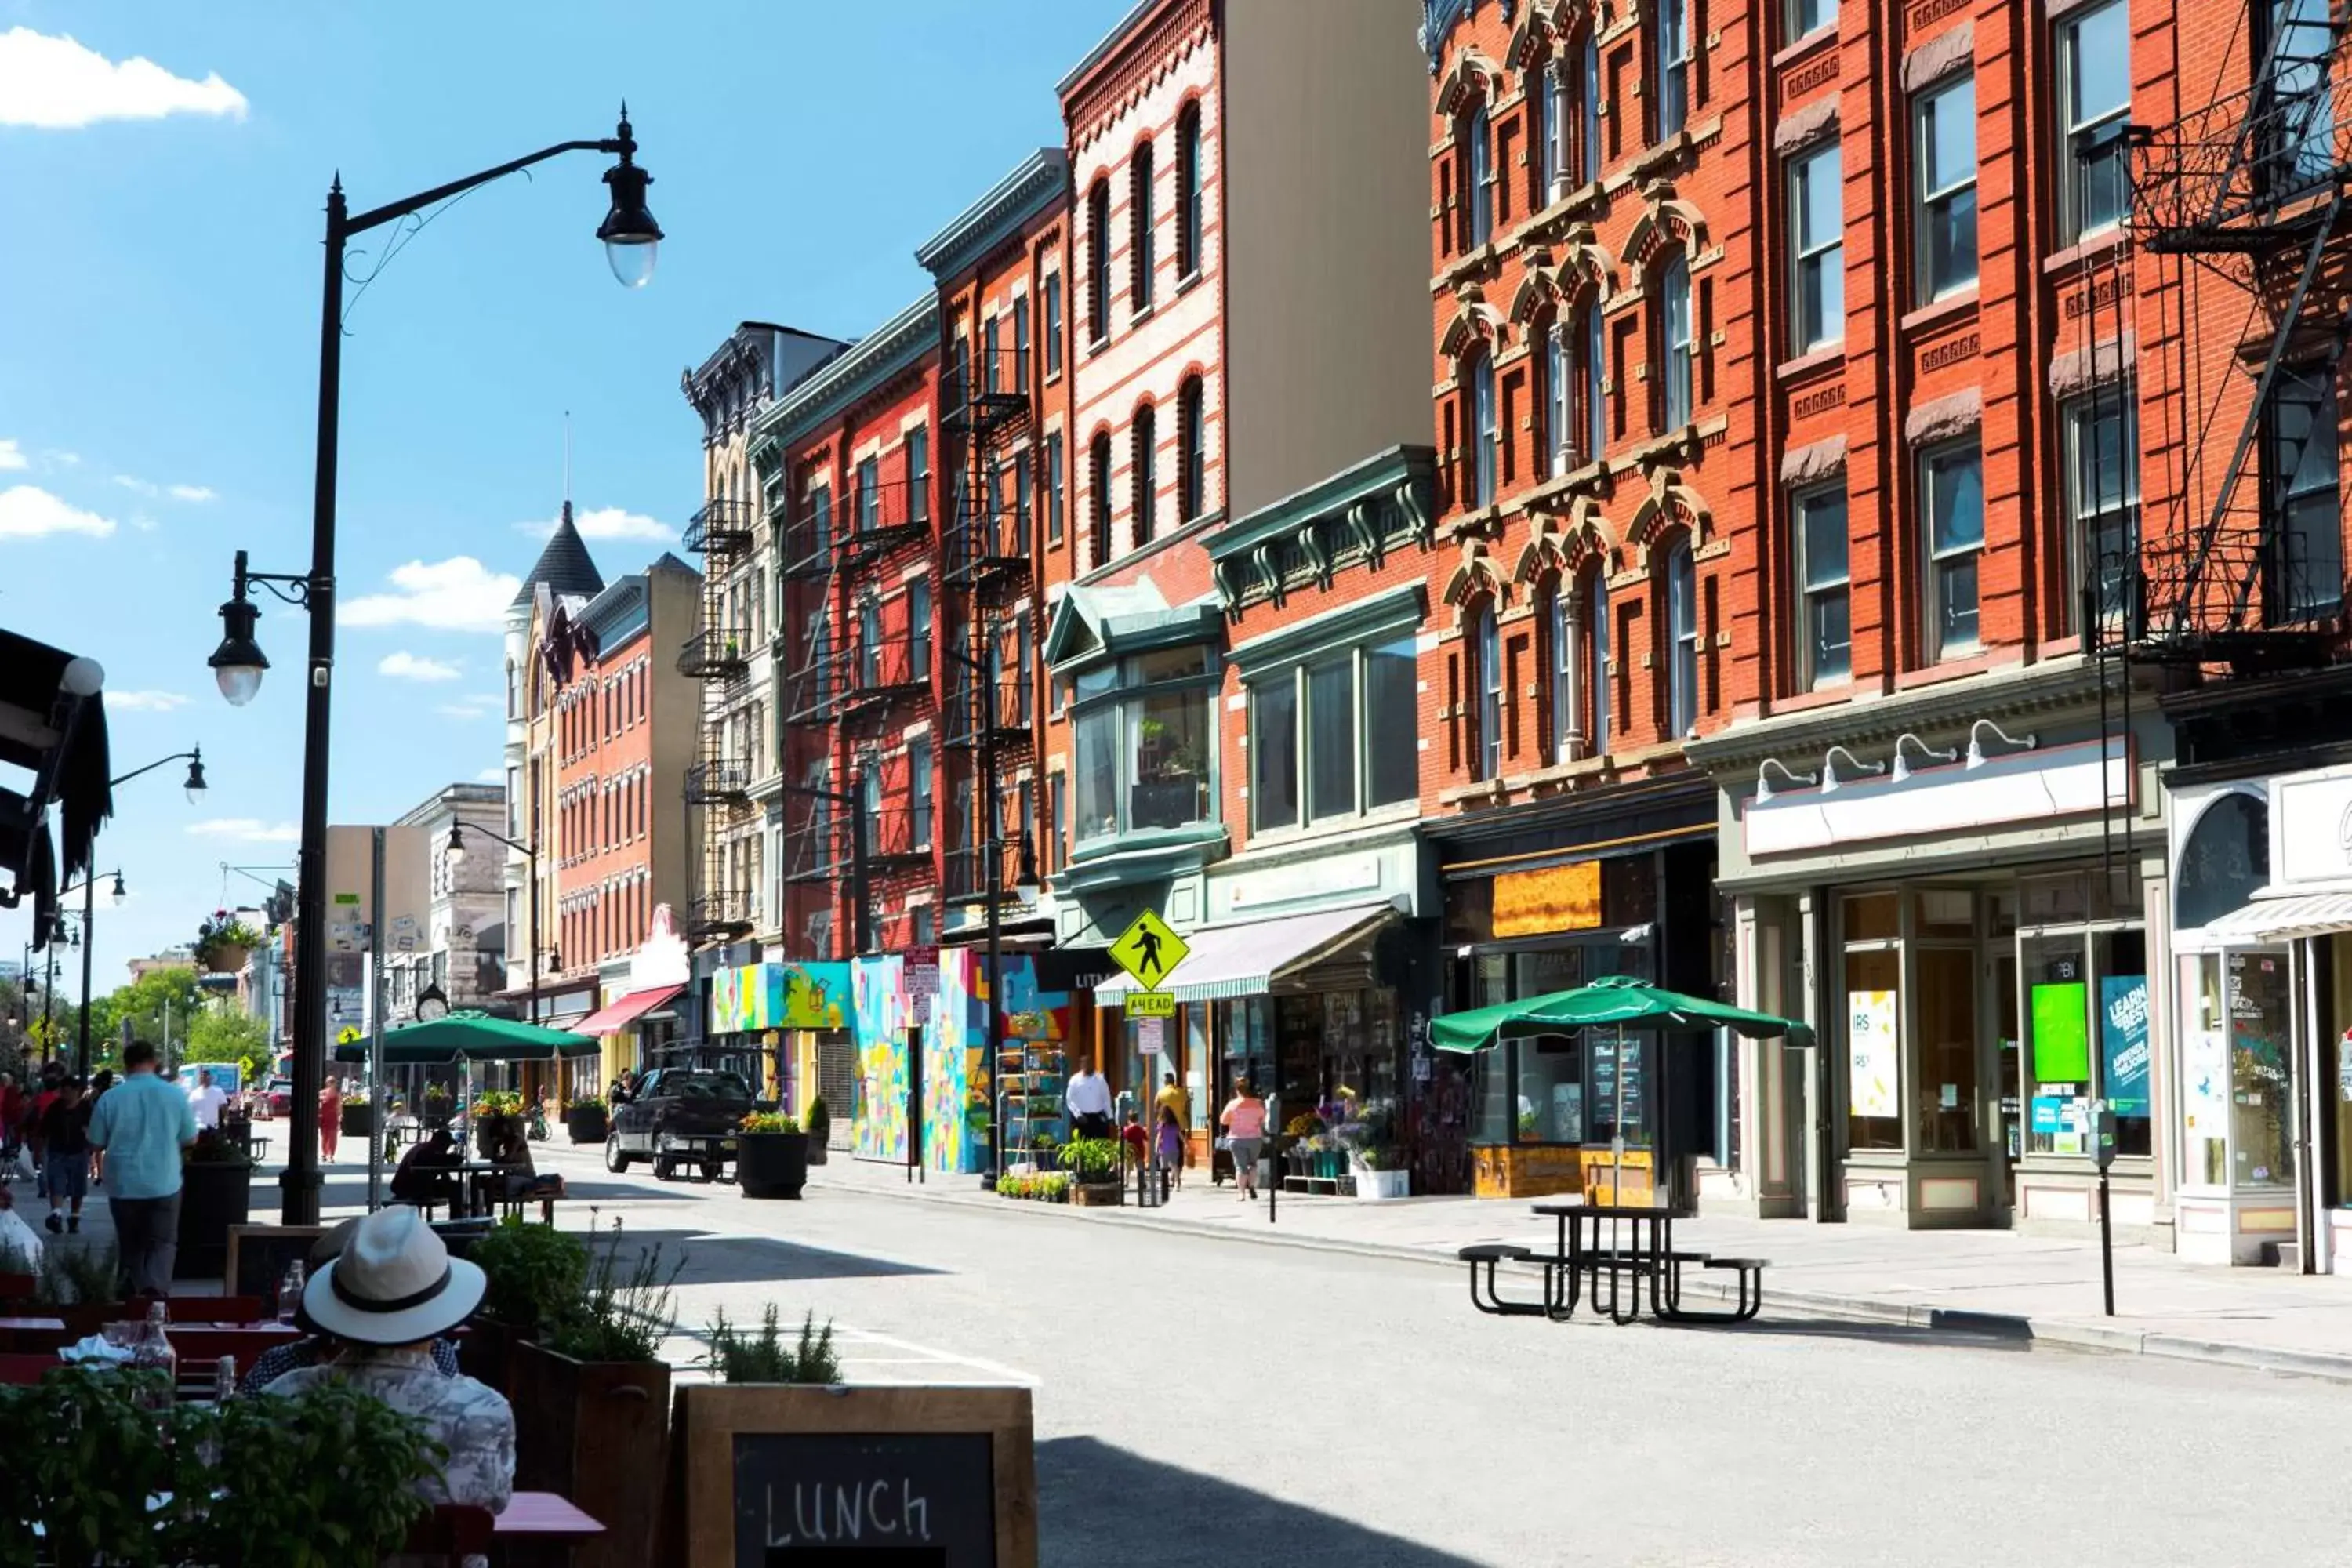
x=631 y=236
x=195 y=757
x=454 y=851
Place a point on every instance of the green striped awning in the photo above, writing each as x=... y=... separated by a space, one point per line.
x=1247 y=958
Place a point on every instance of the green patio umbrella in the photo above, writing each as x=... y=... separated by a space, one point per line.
x=1625 y=1001
x=471 y=1038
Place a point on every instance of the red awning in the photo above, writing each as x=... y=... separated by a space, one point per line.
x=612 y=1020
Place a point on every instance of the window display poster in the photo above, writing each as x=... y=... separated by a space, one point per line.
x=2062 y=1033
x=2123 y=1041
x=1876 y=1054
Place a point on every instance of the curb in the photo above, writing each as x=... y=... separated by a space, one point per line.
x=2007 y=1326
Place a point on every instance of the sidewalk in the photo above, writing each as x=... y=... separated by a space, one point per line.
x=1996 y=1282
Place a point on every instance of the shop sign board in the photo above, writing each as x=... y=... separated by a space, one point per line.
x=1151 y=1037
x=1151 y=1005
x=1555 y=898
x=2061 y=1044
x=1876 y=1052
x=1148 y=950
x=2123 y=1041
x=922 y=971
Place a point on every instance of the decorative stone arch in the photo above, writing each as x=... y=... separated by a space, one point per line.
x=1671 y=504
x=1474 y=321
x=1475 y=578
x=1582 y=268
x=1471 y=77
x=1565 y=544
x=1668 y=223
x=1547 y=24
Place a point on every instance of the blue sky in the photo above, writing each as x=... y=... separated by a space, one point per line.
x=158 y=362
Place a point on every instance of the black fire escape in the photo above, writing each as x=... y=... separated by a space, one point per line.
x=2241 y=205
x=718 y=783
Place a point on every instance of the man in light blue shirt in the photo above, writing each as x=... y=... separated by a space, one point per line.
x=142 y=1123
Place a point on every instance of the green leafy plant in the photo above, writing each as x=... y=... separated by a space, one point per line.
x=767 y=1121
x=764 y=1357
x=211 y=1149
x=95 y=1452
x=1091 y=1159
x=1039 y=1187
x=358 y=1097
x=221 y=929
x=82 y=1276
x=436 y=1091
x=534 y=1274
x=818 y=1123
x=318 y=1479
x=497 y=1102
x=618 y=1316
x=585 y=1102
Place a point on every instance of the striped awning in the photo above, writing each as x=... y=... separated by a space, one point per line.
x=1250 y=958
x=2285 y=918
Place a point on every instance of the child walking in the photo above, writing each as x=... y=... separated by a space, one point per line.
x=1170 y=1147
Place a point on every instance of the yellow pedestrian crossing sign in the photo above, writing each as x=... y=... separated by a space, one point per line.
x=1149 y=951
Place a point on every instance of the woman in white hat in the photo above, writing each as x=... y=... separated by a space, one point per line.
x=391 y=1293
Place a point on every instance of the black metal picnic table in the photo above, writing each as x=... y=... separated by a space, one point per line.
x=1588 y=1249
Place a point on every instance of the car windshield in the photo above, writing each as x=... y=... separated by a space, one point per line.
x=706 y=1086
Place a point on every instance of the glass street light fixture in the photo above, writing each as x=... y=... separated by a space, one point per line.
x=120 y=893
x=452 y=854
x=195 y=785
x=238 y=662
x=631 y=236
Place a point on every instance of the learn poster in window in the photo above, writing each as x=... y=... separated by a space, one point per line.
x=1875 y=1054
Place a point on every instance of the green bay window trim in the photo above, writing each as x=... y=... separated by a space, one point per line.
x=2101 y=537
x=1817 y=231
x=2094 y=102
x=1146 y=743
x=1826 y=615
x=1951 y=500
x=1672 y=42
x=1341 y=725
x=1943 y=159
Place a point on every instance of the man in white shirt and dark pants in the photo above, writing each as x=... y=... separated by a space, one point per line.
x=205 y=1101
x=1087 y=1100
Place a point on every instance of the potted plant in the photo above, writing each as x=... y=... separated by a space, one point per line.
x=818 y=1125
x=359 y=1114
x=532 y=1275
x=771 y=1157
x=437 y=1106
x=591 y=1398
x=224 y=942
x=1093 y=1165
x=587 y=1120
x=1375 y=1160
x=216 y=1192
x=497 y=1116
x=325 y=1476
x=764 y=1357
x=90 y=1453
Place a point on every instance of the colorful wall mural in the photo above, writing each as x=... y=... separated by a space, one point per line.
x=878 y=1121
x=780 y=996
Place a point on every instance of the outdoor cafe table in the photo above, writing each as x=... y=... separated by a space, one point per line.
x=1649 y=1234
x=547 y=1517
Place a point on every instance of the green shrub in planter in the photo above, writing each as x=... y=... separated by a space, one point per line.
x=818 y=1125
x=764 y=1357
x=534 y=1275
x=587 y=1119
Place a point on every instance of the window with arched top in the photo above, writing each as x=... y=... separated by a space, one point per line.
x=1487 y=679
x=1595 y=598
x=1485 y=432
x=1188 y=189
x=1142 y=170
x=1680 y=696
x=2226 y=858
x=1099 y=500
x=1192 y=452
x=1098 y=262
x=1479 y=134
x=1675 y=354
x=1145 y=472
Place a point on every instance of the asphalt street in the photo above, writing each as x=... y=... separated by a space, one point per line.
x=1203 y=1401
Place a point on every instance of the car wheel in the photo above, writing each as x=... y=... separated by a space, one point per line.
x=614 y=1159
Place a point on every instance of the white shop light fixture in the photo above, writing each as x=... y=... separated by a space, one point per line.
x=1976 y=740
x=1903 y=760
x=1830 y=780
x=1764 y=782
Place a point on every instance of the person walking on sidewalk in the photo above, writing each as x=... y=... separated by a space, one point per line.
x=1244 y=1119
x=206 y=1100
x=64 y=1180
x=142 y=1123
x=1087 y=1100
x=331 y=1117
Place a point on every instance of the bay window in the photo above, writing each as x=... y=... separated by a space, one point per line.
x=1146 y=743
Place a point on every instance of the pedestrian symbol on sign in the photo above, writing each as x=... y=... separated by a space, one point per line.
x=1148 y=950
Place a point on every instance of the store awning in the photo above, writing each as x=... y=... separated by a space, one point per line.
x=1248 y=959
x=618 y=1016
x=2285 y=918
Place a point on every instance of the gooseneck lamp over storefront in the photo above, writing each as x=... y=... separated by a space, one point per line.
x=1830 y=780
x=631 y=238
x=1976 y=740
x=1903 y=757
x=1764 y=771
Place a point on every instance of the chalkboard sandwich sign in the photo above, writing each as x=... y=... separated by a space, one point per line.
x=807 y=1477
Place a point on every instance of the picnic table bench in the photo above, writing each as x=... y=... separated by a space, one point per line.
x=1609 y=1254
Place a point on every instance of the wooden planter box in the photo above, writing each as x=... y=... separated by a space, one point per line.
x=1096 y=1195
x=771 y=1164
x=486 y=1352
x=743 y=1455
x=587 y=1123
x=597 y=1432
x=212 y=1197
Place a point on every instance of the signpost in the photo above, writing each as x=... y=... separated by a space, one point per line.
x=922 y=970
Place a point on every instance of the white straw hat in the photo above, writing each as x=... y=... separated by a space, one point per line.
x=395 y=1283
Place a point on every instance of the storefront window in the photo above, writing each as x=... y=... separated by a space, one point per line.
x=1873 y=1010
x=2228 y=856
x=1550 y=1108
x=2058 y=1043
x=1946 y=1095
x=1873 y=917
x=2261 y=1085
x=2205 y=1071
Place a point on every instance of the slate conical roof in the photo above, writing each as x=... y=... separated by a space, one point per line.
x=563 y=565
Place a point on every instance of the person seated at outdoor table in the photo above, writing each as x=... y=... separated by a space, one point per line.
x=422 y=1175
x=516 y=1177
x=391 y=1292
x=316 y=1346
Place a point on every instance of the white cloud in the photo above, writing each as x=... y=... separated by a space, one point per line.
x=406 y=665
x=28 y=511
x=59 y=84
x=459 y=594
x=193 y=494
x=62 y=459
x=246 y=830
x=491 y=775
x=139 y=487
x=480 y=705
x=606 y=522
x=11 y=456
x=146 y=701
